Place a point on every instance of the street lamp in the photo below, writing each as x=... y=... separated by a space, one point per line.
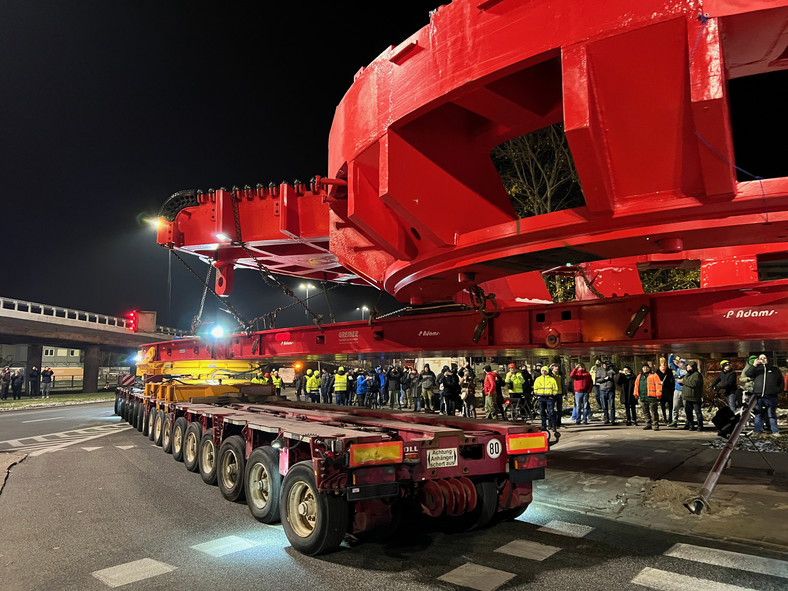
x=363 y=309
x=307 y=287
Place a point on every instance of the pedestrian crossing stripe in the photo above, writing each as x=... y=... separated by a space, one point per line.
x=563 y=528
x=667 y=581
x=41 y=444
x=724 y=558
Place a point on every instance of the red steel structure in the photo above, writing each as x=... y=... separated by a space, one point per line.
x=414 y=205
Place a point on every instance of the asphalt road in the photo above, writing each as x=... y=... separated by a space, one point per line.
x=113 y=510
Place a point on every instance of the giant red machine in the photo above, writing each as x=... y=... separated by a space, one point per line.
x=413 y=204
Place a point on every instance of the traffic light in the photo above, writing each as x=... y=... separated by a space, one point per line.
x=131 y=321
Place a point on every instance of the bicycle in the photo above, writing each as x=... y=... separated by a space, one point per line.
x=518 y=409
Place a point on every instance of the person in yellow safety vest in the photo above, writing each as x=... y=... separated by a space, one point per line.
x=515 y=381
x=340 y=387
x=313 y=385
x=259 y=378
x=545 y=388
x=277 y=382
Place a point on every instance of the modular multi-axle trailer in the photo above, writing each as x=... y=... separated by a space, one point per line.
x=327 y=471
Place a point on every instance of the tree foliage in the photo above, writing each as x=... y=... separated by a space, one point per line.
x=658 y=280
x=538 y=172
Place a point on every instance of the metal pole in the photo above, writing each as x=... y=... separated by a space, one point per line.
x=696 y=504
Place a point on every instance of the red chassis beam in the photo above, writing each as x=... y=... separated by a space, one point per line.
x=738 y=317
x=416 y=206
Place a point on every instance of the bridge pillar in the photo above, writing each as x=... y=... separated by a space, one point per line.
x=91 y=369
x=35 y=354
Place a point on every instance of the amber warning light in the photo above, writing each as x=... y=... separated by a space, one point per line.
x=374 y=454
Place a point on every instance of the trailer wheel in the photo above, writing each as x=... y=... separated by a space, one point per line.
x=152 y=423
x=486 y=506
x=158 y=427
x=510 y=514
x=231 y=467
x=191 y=446
x=140 y=416
x=178 y=434
x=132 y=406
x=146 y=421
x=166 y=434
x=117 y=403
x=207 y=457
x=314 y=522
x=263 y=484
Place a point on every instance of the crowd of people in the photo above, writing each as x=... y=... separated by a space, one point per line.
x=39 y=382
x=654 y=396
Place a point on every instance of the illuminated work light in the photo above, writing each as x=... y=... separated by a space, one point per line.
x=373 y=454
x=217 y=332
x=526 y=443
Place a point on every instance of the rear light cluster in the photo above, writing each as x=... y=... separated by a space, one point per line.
x=374 y=454
x=527 y=443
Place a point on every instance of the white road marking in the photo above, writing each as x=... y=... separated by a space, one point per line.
x=667 y=581
x=478 y=577
x=563 y=528
x=224 y=546
x=748 y=562
x=131 y=572
x=41 y=444
x=13 y=443
x=91 y=448
x=528 y=549
x=41 y=420
x=125 y=447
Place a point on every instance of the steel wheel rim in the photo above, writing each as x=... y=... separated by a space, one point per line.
x=229 y=468
x=190 y=447
x=302 y=509
x=207 y=456
x=177 y=439
x=157 y=431
x=151 y=420
x=165 y=436
x=259 y=486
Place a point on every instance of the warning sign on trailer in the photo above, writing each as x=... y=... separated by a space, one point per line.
x=441 y=458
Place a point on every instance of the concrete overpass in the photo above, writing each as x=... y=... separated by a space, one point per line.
x=37 y=325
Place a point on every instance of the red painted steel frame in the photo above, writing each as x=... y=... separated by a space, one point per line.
x=416 y=206
x=735 y=317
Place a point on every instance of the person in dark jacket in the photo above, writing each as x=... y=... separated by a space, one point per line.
x=404 y=384
x=394 y=378
x=692 y=392
x=665 y=375
x=46 y=381
x=451 y=391
x=299 y=383
x=427 y=382
x=767 y=382
x=626 y=381
x=5 y=382
x=726 y=382
x=607 y=392
x=17 y=381
x=34 y=377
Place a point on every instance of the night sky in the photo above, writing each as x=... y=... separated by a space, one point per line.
x=107 y=108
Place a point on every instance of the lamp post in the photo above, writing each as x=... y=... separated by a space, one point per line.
x=307 y=287
x=363 y=309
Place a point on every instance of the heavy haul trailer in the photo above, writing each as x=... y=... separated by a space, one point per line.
x=328 y=471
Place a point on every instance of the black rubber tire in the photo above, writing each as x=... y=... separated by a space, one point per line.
x=140 y=416
x=152 y=423
x=166 y=434
x=206 y=457
x=231 y=468
x=130 y=413
x=118 y=400
x=146 y=421
x=158 y=427
x=178 y=435
x=263 y=484
x=486 y=506
x=510 y=514
x=191 y=446
x=327 y=531
x=123 y=405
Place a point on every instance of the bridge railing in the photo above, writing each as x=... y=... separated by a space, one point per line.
x=90 y=318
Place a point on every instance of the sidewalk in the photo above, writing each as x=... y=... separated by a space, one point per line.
x=644 y=477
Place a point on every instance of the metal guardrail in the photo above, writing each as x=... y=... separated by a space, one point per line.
x=92 y=319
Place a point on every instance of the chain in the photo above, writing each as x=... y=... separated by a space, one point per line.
x=238 y=318
x=197 y=320
x=328 y=303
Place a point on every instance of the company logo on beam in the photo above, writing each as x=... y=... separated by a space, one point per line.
x=429 y=333
x=749 y=313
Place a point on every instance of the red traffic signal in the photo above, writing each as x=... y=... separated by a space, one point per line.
x=131 y=321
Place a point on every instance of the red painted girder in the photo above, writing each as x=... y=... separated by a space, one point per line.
x=748 y=312
x=641 y=88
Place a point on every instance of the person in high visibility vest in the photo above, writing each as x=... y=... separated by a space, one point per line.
x=259 y=378
x=340 y=386
x=515 y=382
x=545 y=389
x=278 y=382
x=313 y=385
